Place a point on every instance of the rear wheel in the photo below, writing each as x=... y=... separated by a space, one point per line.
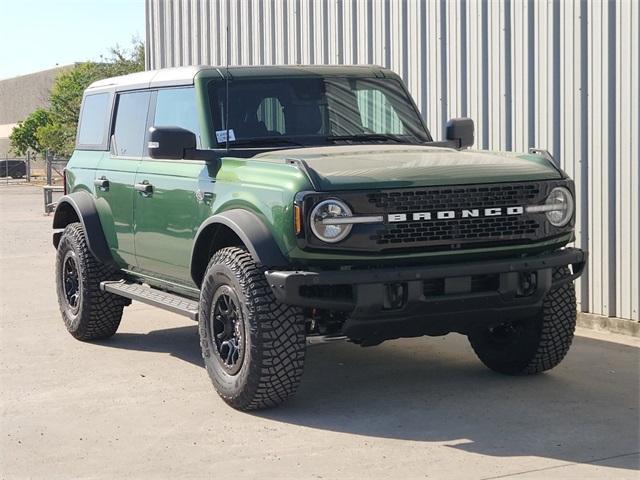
x=535 y=344
x=253 y=347
x=87 y=312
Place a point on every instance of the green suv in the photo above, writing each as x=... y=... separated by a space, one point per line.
x=286 y=206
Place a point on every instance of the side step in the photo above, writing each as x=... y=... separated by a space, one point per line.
x=152 y=296
x=181 y=305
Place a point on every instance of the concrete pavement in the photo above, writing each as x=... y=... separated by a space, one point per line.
x=141 y=406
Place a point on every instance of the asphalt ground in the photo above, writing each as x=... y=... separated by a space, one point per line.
x=140 y=405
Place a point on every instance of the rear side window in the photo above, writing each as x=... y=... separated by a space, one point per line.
x=176 y=107
x=92 y=133
x=130 y=128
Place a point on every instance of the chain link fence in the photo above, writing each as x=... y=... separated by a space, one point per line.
x=54 y=171
x=15 y=169
x=46 y=171
x=38 y=169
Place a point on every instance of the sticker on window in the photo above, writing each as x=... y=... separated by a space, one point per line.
x=221 y=135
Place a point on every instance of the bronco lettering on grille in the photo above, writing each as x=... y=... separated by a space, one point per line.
x=450 y=214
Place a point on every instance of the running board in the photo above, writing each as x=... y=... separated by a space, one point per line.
x=324 y=339
x=152 y=296
x=182 y=305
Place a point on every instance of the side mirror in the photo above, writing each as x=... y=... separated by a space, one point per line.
x=170 y=142
x=460 y=132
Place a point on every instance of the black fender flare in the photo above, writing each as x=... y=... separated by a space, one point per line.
x=85 y=210
x=250 y=229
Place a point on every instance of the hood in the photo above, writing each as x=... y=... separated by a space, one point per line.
x=396 y=166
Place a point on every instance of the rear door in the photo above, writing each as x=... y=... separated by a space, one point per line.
x=115 y=176
x=168 y=215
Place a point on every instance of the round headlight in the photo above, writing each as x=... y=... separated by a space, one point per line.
x=322 y=217
x=560 y=207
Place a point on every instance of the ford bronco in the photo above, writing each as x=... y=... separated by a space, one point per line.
x=291 y=205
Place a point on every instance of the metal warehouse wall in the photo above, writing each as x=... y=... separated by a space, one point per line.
x=560 y=75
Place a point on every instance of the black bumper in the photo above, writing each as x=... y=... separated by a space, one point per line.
x=452 y=295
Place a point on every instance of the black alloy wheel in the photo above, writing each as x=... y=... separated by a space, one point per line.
x=226 y=327
x=71 y=282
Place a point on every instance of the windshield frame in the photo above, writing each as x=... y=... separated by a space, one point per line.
x=216 y=92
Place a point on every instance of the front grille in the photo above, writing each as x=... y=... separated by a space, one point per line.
x=458 y=232
x=452 y=231
x=455 y=198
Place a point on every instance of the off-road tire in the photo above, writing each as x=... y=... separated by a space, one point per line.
x=274 y=335
x=540 y=342
x=99 y=313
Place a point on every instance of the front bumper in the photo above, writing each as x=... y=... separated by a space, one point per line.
x=455 y=296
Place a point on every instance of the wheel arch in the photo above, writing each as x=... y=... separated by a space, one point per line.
x=236 y=227
x=80 y=207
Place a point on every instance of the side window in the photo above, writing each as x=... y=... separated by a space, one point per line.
x=176 y=107
x=93 y=119
x=271 y=114
x=129 y=133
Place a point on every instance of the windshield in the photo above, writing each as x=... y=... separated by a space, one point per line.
x=314 y=111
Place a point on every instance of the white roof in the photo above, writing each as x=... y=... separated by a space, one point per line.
x=166 y=77
x=149 y=78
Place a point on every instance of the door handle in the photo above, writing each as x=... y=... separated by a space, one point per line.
x=145 y=188
x=102 y=183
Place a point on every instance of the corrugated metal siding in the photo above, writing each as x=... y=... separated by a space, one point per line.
x=560 y=75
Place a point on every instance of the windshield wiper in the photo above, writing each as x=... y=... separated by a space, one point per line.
x=368 y=136
x=262 y=141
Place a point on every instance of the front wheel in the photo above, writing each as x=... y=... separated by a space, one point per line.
x=253 y=346
x=535 y=344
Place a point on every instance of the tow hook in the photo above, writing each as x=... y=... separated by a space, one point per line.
x=395 y=296
x=528 y=284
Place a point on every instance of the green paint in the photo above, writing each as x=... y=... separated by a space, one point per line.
x=396 y=166
x=153 y=237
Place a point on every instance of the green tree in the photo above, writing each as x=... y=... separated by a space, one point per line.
x=57 y=132
x=58 y=138
x=23 y=137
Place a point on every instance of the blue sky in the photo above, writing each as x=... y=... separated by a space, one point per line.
x=40 y=34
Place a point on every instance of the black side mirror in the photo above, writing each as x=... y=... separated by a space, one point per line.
x=460 y=132
x=170 y=142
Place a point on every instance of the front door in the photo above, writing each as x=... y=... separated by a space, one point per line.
x=115 y=175
x=171 y=202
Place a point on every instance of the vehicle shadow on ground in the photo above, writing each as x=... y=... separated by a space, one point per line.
x=179 y=342
x=435 y=390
